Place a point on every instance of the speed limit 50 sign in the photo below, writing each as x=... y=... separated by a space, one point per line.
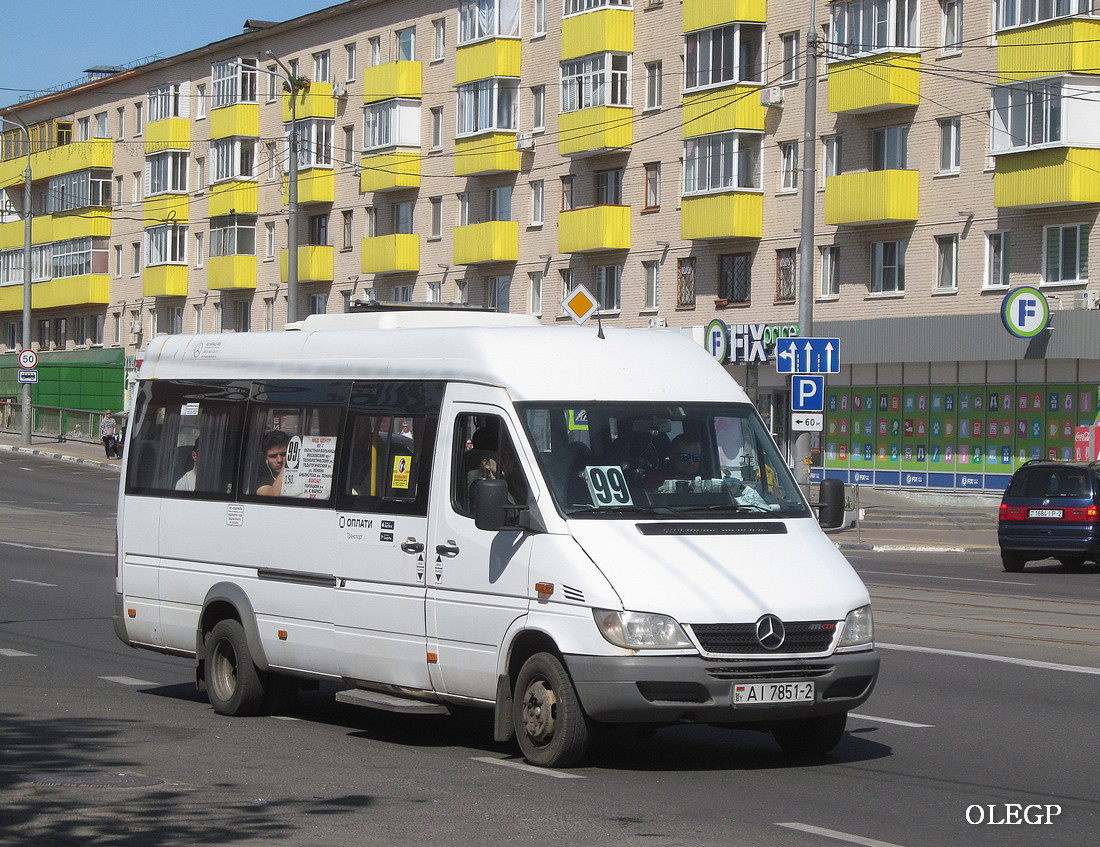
x=28 y=360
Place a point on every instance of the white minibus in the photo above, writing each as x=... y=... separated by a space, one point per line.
x=437 y=509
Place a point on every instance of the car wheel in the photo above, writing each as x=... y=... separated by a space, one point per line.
x=1072 y=561
x=234 y=684
x=551 y=726
x=1013 y=562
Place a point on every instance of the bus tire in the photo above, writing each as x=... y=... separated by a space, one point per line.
x=234 y=684
x=550 y=723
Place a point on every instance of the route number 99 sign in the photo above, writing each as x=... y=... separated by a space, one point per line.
x=607 y=485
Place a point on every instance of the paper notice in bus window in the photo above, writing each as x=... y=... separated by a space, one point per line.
x=188 y=409
x=401 y=468
x=309 y=463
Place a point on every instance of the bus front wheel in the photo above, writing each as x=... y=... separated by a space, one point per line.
x=550 y=723
x=233 y=682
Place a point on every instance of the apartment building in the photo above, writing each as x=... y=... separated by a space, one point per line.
x=503 y=152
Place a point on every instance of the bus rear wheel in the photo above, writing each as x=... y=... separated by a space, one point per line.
x=234 y=684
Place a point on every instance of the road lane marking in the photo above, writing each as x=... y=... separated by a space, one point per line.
x=522 y=766
x=285 y=718
x=957 y=578
x=127 y=680
x=1008 y=660
x=56 y=549
x=892 y=721
x=32 y=582
x=839 y=836
x=15 y=654
x=914 y=548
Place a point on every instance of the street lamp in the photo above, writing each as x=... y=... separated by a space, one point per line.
x=25 y=431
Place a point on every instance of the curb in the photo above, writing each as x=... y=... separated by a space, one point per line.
x=871 y=547
x=60 y=457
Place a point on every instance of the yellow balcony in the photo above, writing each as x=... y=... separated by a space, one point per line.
x=704 y=14
x=65 y=159
x=79 y=223
x=388 y=171
x=167 y=134
x=734 y=215
x=599 y=31
x=393 y=79
x=241 y=119
x=164 y=281
x=490 y=153
x=314 y=264
x=390 y=254
x=722 y=110
x=494 y=241
x=595 y=130
x=871 y=197
x=87 y=290
x=164 y=208
x=1055 y=177
x=235 y=197
x=882 y=81
x=593 y=229
x=315 y=185
x=314 y=102
x=231 y=272
x=487 y=59
x=1057 y=47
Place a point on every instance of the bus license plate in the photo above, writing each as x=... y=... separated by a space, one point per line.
x=773 y=692
x=1044 y=513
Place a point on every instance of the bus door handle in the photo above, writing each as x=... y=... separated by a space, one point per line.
x=450 y=549
x=411 y=545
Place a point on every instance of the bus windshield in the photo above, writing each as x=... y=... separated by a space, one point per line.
x=610 y=460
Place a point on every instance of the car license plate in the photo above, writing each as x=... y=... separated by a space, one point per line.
x=1044 y=513
x=773 y=692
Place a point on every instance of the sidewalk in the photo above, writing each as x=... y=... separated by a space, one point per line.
x=947 y=523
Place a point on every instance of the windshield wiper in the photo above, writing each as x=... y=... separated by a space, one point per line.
x=723 y=507
x=632 y=509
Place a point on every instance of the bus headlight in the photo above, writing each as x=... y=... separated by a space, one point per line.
x=640 y=630
x=859 y=628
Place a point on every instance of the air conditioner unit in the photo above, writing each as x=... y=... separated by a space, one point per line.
x=772 y=96
x=658 y=323
x=1081 y=300
x=339 y=89
x=135 y=328
x=525 y=142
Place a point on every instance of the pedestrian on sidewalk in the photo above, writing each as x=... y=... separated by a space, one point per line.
x=107 y=428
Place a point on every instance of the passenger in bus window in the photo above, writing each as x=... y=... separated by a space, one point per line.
x=187 y=481
x=269 y=480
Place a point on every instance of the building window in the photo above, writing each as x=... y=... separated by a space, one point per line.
x=242 y=316
x=405 y=41
x=318 y=230
x=725 y=161
x=318 y=304
x=121 y=113
x=166 y=172
x=219 y=325
x=785 y=276
x=830 y=272
x=200 y=173
x=952 y=26
x=653 y=74
x=947 y=262
x=685 y=282
x=498 y=292
x=234 y=158
x=1030 y=114
x=566 y=275
x=567 y=185
x=269 y=314
x=462 y=291
x=463 y=206
x=788 y=153
x=435 y=292
x=200 y=102
x=403 y=218
x=135 y=258
x=535 y=287
x=888 y=267
x=273 y=168
x=996 y=259
x=233 y=235
x=350 y=62
x=1012 y=13
x=538 y=107
x=724 y=55
x=651 y=298
x=500 y=203
x=374 y=50
x=867 y=26
x=402 y=294
x=599 y=80
x=608 y=287
x=439 y=40
x=537 y=202
x=436 y=204
x=200 y=252
x=486 y=105
x=349 y=146
x=609 y=187
x=269 y=239
x=314 y=142
x=478 y=19
x=322 y=66
x=43 y=335
x=830 y=157
x=97 y=330
x=1066 y=249
x=60 y=332
x=791 y=56
x=346 y=229
x=437 y=128
x=175 y=320
x=139 y=124
x=166 y=245
x=735 y=277
x=118 y=259
x=652 y=185
x=890 y=148
x=540 y=17
x=235 y=81
x=950 y=145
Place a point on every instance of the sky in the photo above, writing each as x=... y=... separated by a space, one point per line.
x=51 y=42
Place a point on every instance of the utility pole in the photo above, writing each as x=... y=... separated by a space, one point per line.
x=25 y=429
x=801 y=453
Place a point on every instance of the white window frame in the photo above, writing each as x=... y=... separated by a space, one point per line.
x=436 y=204
x=701 y=47
x=487 y=105
x=233 y=235
x=651 y=296
x=538 y=202
x=947 y=263
x=1016 y=13
x=538 y=108
x=482 y=19
x=234 y=81
x=864 y=27
x=437 y=128
x=322 y=66
x=736 y=155
x=166 y=245
x=789 y=44
x=1036 y=114
x=832 y=152
x=888 y=267
x=997 y=247
x=789 y=170
x=890 y=148
x=439 y=39
x=609 y=288
x=351 y=72
x=654 y=80
x=1079 y=271
x=166 y=172
x=534 y=288
x=830 y=272
x=404 y=41
x=234 y=158
x=602 y=79
x=166 y=101
x=951 y=27
x=539 y=15
x=950 y=145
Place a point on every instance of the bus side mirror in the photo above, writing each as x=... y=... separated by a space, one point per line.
x=832 y=503
x=490 y=501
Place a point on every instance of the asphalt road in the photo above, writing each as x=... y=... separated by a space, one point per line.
x=987 y=698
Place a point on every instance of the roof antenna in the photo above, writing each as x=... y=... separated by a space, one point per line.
x=599 y=324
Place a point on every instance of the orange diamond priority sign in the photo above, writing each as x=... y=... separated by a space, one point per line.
x=579 y=304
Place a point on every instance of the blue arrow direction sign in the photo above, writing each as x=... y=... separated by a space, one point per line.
x=807 y=355
x=807 y=393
